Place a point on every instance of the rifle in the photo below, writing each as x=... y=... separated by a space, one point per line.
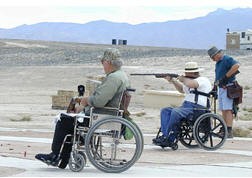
x=76 y=99
x=72 y=103
x=221 y=80
x=214 y=91
x=160 y=75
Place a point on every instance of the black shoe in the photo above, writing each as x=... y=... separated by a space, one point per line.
x=50 y=159
x=154 y=140
x=158 y=139
x=162 y=141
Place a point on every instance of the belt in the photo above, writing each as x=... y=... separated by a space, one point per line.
x=224 y=86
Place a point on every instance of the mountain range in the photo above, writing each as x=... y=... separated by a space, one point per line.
x=197 y=33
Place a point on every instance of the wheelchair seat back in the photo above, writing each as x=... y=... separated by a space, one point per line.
x=97 y=114
x=122 y=105
x=125 y=101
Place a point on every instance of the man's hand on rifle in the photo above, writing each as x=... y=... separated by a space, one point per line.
x=168 y=78
x=223 y=80
x=83 y=103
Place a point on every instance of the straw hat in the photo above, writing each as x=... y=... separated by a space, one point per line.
x=192 y=67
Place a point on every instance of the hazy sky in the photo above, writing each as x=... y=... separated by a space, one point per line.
x=19 y=12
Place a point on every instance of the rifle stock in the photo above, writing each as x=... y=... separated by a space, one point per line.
x=219 y=81
x=159 y=75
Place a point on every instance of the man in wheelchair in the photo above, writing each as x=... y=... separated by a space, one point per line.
x=192 y=85
x=107 y=94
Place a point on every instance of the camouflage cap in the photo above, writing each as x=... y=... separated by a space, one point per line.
x=111 y=54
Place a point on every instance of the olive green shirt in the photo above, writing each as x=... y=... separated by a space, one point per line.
x=108 y=93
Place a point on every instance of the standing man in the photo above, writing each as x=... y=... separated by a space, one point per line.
x=224 y=69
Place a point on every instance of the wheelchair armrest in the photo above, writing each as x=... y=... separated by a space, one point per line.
x=131 y=89
x=107 y=111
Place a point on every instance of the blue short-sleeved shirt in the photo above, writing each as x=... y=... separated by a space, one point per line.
x=222 y=67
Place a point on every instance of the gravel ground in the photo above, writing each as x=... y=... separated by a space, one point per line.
x=43 y=53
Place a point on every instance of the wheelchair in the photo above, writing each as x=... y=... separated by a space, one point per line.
x=100 y=139
x=202 y=129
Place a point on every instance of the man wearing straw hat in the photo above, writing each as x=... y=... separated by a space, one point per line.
x=225 y=69
x=170 y=117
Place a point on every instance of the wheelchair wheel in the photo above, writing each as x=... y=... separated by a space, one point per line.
x=174 y=146
x=77 y=161
x=107 y=149
x=186 y=137
x=210 y=131
x=141 y=141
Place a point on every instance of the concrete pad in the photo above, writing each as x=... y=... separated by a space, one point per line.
x=38 y=169
x=144 y=167
x=159 y=99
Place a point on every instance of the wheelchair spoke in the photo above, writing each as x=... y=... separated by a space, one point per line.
x=211 y=140
x=215 y=127
x=204 y=138
x=190 y=142
x=187 y=136
x=113 y=150
x=217 y=135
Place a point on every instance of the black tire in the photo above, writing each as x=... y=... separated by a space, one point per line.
x=207 y=131
x=174 y=146
x=77 y=162
x=97 y=143
x=142 y=139
x=186 y=137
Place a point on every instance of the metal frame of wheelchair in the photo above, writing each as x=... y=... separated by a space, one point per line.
x=102 y=143
x=203 y=131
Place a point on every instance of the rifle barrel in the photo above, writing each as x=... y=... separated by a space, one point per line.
x=158 y=75
x=144 y=74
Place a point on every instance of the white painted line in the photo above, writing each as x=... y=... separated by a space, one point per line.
x=237 y=152
x=5 y=129
x=26 y=139
x=146 y=147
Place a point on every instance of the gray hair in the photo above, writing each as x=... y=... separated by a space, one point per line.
x=113 y=55
x=117 y=63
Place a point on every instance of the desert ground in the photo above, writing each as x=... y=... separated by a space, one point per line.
x=32 y=71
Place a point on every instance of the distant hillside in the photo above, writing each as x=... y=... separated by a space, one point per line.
x=46 y=53
x=201 y=32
